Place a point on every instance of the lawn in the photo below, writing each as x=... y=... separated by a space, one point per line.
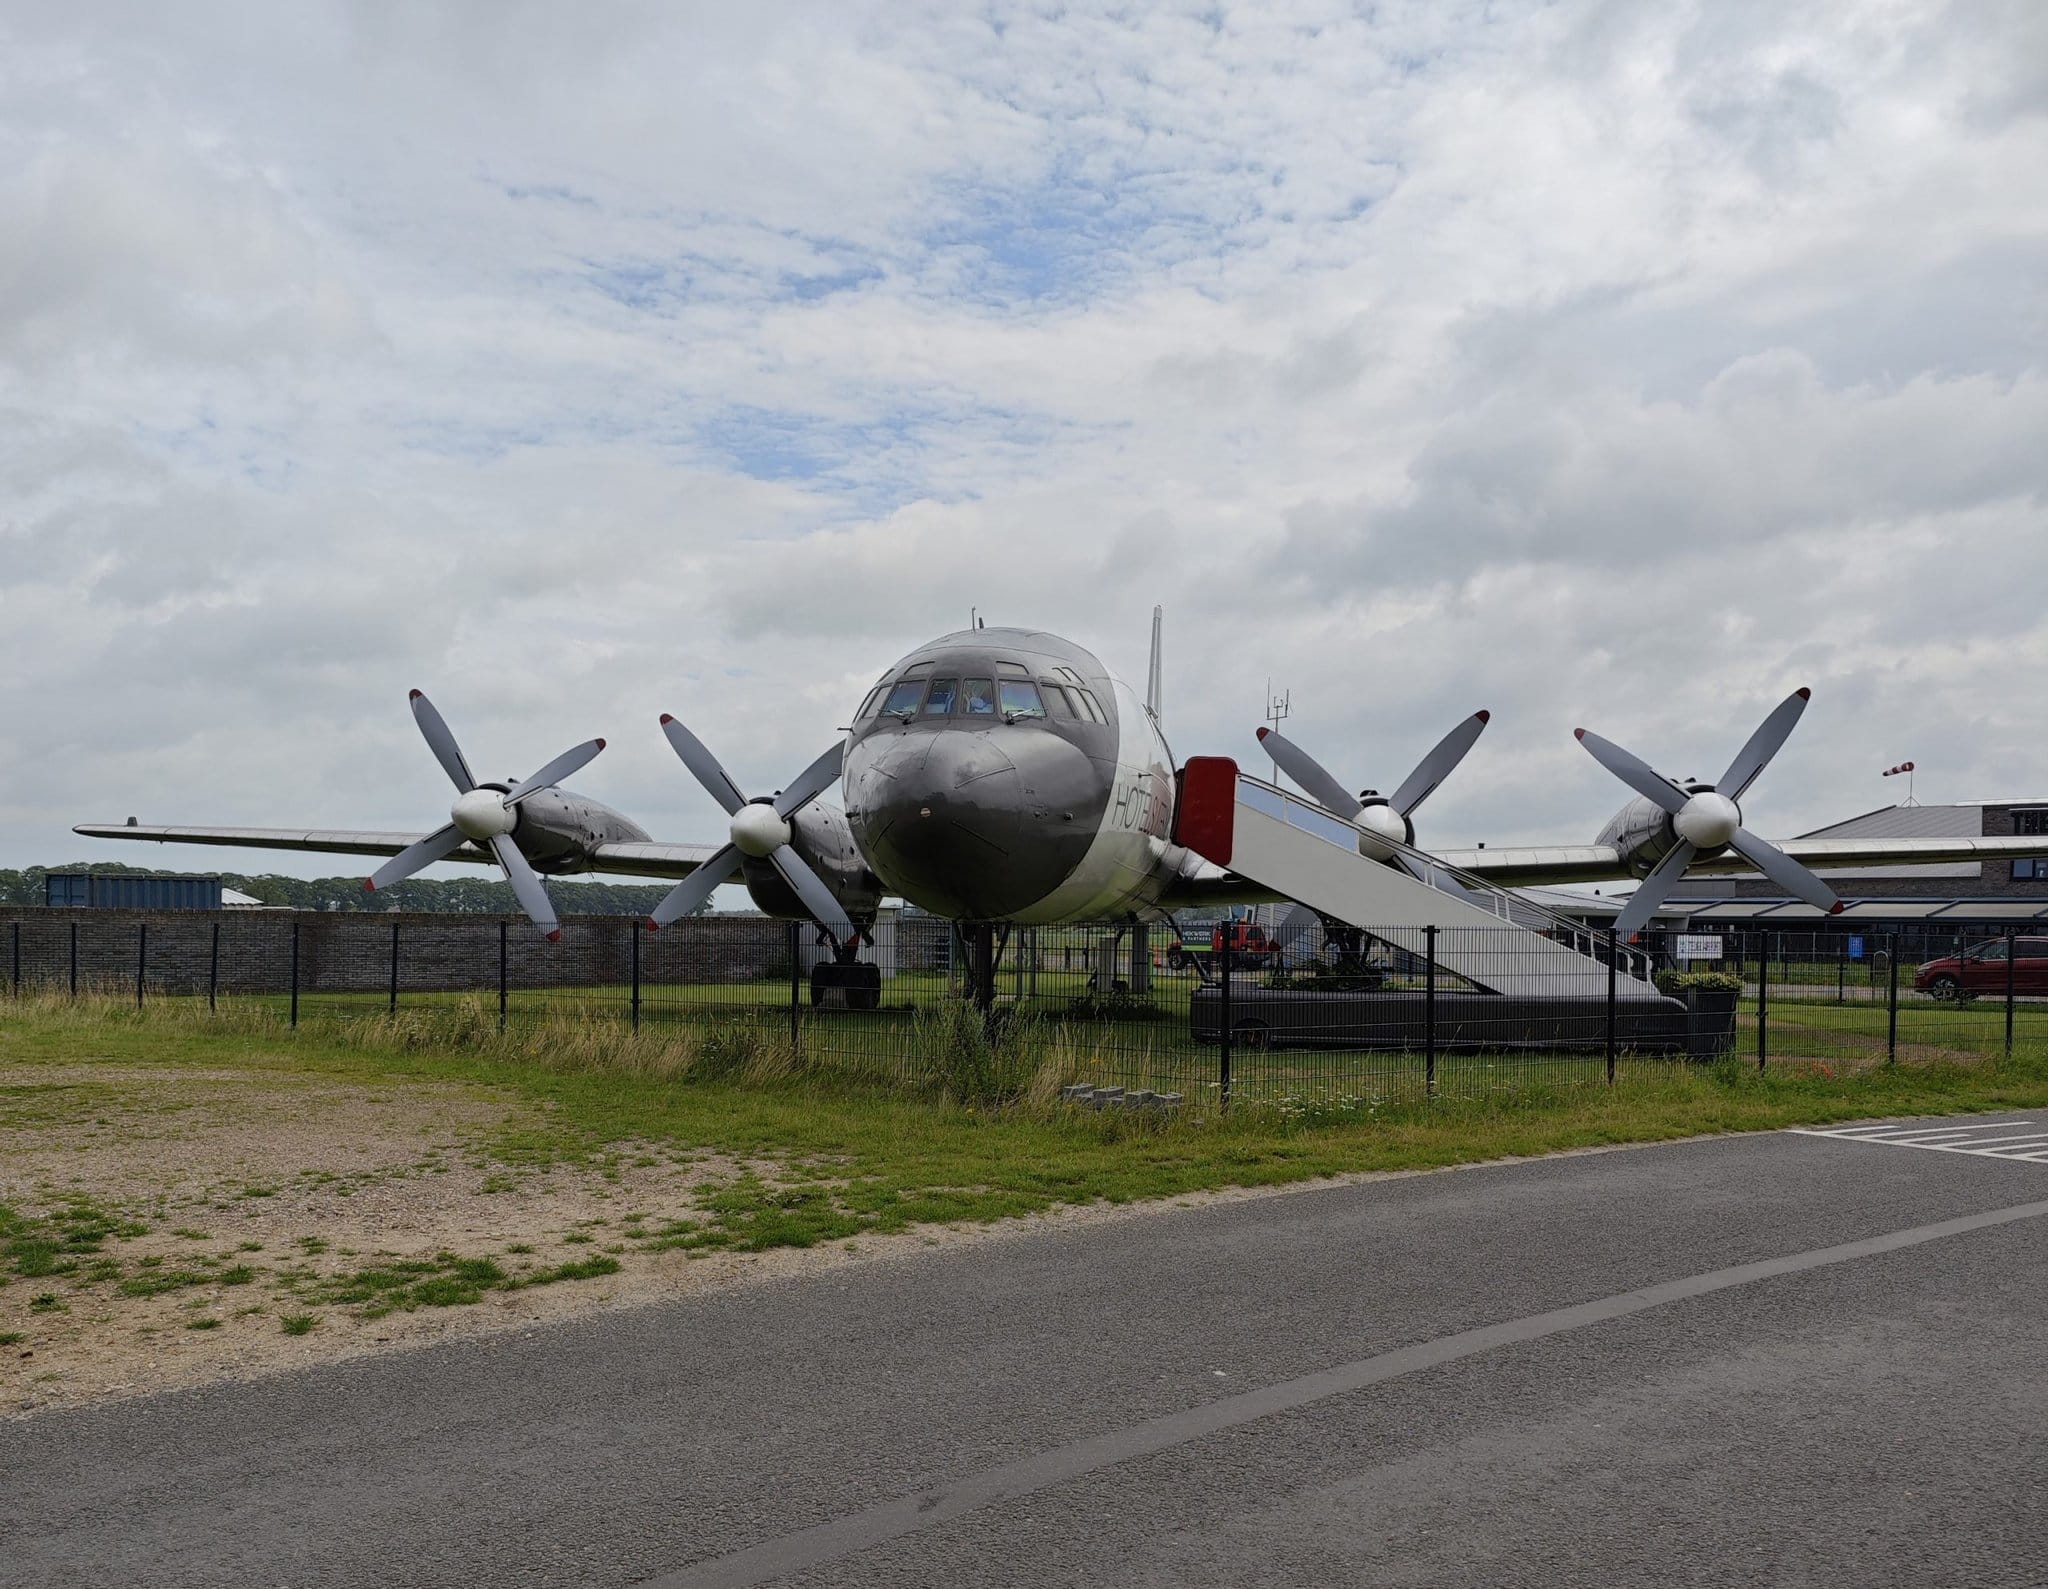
x=862 y=1147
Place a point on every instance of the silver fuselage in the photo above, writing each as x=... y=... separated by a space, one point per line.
x=993 y=816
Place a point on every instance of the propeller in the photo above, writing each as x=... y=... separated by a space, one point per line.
x=1387 y=817
x=760 y=829
x=483 y=816
x=1709 y=819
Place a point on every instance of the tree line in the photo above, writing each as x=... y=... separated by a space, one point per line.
x=483 y=896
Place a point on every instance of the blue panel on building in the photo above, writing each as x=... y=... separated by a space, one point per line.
x=80 y=890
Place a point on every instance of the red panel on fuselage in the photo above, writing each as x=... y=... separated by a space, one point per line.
x=1205 y=814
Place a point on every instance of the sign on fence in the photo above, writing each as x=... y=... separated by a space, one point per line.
x=1855 y=946
x=1698 y=946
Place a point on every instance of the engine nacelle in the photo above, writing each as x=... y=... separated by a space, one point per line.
x=824 y=838
x=558 y=830
x=1644 y=832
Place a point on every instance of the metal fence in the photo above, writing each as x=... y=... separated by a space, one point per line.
x=1135 y=1007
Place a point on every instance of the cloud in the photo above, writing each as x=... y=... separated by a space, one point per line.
x=1623 y=366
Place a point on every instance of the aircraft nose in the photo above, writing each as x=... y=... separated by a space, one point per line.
x=950 y=821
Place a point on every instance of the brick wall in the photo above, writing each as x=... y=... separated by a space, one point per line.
x=349 y=952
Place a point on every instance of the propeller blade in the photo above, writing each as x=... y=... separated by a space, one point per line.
x=693 y=890
x=533 y=895
x=555 y=771
x=438 y=845
x=819 y=900
x=1781 y=869
x=1649 y=894
x=1305 y=770
x=1420 y=784
x=442 y=743
x=1633 y=771
x=813 y=781
x=1763 y=745
x=703 y=764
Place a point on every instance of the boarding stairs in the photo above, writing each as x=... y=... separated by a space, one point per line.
x=1496 y=941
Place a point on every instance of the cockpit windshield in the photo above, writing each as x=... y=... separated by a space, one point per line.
x=1003 y=691
x=1020 y=699
x=904 y=698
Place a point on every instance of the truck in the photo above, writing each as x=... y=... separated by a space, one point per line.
x=1244 y=943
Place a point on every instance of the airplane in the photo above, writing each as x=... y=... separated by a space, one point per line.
x=1005 y=775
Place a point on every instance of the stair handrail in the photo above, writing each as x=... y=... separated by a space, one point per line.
x=1574 y=935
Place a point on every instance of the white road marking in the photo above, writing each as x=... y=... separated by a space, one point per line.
x=1984 y=1139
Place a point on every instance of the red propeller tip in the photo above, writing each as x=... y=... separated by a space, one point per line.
x=600 y=744
x=413 y=695
x=1578 y=733
x=369 y=885
x=1803 y=693
x=1483 y=716
x=1838 y=907
x=667 y=718
x=555 y=936
x=1264 y=732
x=651 y=924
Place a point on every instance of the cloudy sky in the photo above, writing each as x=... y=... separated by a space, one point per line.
x=1617 y=364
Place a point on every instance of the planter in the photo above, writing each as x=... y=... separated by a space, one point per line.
x=1710 y=1022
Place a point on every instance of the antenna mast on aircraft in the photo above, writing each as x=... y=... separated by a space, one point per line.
x=1154 y=678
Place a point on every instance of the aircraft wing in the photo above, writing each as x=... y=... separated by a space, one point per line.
x=1602 y=863
x=634 y=860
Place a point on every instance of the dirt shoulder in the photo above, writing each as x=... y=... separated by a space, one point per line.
x=167 y=1226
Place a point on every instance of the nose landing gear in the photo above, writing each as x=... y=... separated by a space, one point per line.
x=847 y=980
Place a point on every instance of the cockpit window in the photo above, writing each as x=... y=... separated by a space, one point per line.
x=1056 y=698
x=1089 y=705
x=1020 y=699
x=904 y=698
x=940 y=701
x=981 y=697
x=867 y=707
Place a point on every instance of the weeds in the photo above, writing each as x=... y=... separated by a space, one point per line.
x=298 y=1323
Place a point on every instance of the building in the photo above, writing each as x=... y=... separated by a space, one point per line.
x=1928 y=907
x=127 y=891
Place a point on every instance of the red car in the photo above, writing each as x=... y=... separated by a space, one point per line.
x=1981 y=970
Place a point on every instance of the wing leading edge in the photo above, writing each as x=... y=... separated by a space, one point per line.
x=632 y=860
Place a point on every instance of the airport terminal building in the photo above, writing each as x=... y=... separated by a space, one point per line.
x=1931 y=905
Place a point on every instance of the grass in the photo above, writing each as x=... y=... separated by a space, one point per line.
x=858 y=1152
x=298 y=1323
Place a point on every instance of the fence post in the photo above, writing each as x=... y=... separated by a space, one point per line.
x=213 y=972
x=504 y=940
x=1429 y=1013
x=393 y=1003
x=295 y=973
x=1613 y=956
x=2011 y=946
x=639 y=927
x=1763 y=1001
x=74 y=959
x=1840 y=965
x=1891 y=1034
x=795 y=984
x=17 y=960
x=141 y=958
x=1223 y=1030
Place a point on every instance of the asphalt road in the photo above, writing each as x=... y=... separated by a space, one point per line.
x=1779 y=1359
